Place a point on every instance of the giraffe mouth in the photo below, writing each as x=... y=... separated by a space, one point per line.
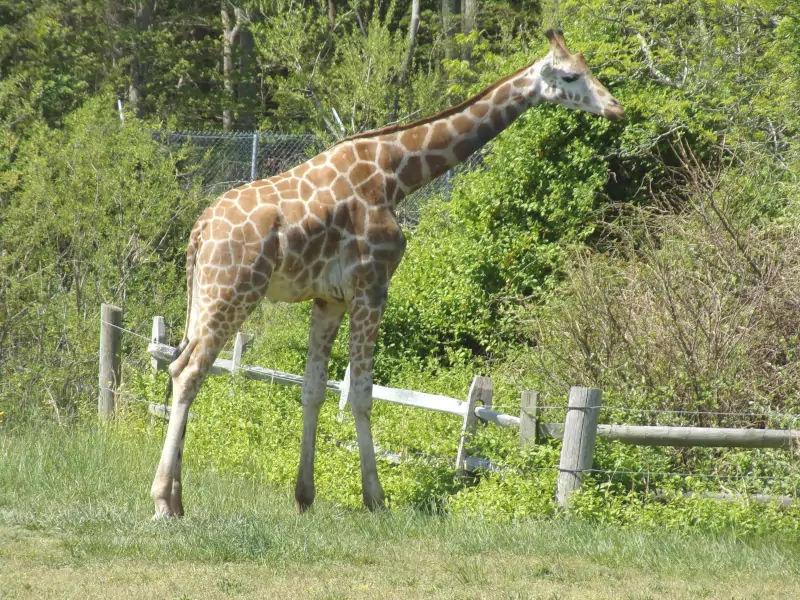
x=615 y=113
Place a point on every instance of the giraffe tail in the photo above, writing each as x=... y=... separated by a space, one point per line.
x=186 y=347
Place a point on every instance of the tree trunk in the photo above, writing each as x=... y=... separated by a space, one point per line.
x=142 y=21
x=229 y=34
x=248 y=88
x=451 y=9
x=470 y=12
x=331 y=13
x=412 y=46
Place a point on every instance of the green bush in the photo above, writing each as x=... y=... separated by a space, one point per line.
x=100 y=215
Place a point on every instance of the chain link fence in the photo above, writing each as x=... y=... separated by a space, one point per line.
x=225 y=160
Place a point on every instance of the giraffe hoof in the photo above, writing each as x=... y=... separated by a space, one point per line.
x=159 y=516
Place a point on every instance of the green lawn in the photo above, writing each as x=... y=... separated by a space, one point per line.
x=75 y=522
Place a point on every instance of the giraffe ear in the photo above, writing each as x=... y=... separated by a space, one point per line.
x=557 y=44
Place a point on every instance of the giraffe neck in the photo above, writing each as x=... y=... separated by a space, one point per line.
x=430 y=149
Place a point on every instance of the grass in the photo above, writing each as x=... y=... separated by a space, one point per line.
x=75 y=522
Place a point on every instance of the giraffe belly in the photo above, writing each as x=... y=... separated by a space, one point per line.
x=291 y=287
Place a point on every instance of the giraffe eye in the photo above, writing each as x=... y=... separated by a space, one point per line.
x=570 y=78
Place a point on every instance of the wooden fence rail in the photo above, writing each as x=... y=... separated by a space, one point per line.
x=578 y=432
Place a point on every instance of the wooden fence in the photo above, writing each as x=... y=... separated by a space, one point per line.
x=578 y=432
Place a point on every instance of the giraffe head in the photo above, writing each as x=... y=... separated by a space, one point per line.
x=566 y=79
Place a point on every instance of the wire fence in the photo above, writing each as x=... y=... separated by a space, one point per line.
x=222 y=161
x=645 y=470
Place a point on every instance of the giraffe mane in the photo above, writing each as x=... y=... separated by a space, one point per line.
x=397 y=127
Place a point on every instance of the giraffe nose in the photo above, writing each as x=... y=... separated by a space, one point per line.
x=614 y=111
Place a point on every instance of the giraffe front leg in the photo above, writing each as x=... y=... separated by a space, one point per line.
x=325 y=320
x=364 y=322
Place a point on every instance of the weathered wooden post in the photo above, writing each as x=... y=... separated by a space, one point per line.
x=580 y=431
x=159 y=336
x=529 y=418
x=344 y=393
x=110 y=345
x=479 y=391
x=242 y=343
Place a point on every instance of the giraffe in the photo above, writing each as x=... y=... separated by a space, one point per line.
x=326 y=231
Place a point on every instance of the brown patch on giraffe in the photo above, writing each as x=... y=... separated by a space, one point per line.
x=259 y=183
x=237 y=235
x=341 y=188
x=361 y=172
x=248 y=200
x=251 y=252
x=389 y=256
x=226 y=276
x=264 y=218
x=341 y=215
x=414 y=139
x=358 y=216
x=479 y=110
x=234 y=213
x=231 y=194
x=366 y=150
x=389 y=156
x=512 y=112
x=216 y=210
x=295 y=239
x=332 y=240
x=502 y=94
x=385 y=232
x=287 y=190
x=324 y=197
x=319 y=159
x=464 y=148
x=322 y=176
x=522 y=82
x=440 y=137
x=220 y=229
x=391 y=190
x=316 y=270
x=343 y=158
x=463 y=124
x=312 y=252
x=437 y=164
x=486 y=131
x=601 y=93
x=411 y=175
x=372 y=188
x=300 y=170
x=498 y=119
x=306 y=189
x=293 y=210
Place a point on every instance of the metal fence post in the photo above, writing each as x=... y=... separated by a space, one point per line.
x=110 y=346
x=253 y=170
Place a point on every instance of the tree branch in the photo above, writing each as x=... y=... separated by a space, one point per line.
x=648 y=59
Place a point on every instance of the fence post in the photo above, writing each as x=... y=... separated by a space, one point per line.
x=479 y=391
x=159 y=336
x=243 y=341
x=580 y=431
x=253 y=170
x=344 y=393
x=529 y=418
x=110 y=345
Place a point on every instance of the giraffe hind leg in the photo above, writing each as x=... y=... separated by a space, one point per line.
x=187 y=374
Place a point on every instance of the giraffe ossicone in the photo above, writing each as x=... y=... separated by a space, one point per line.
x=326 y=231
